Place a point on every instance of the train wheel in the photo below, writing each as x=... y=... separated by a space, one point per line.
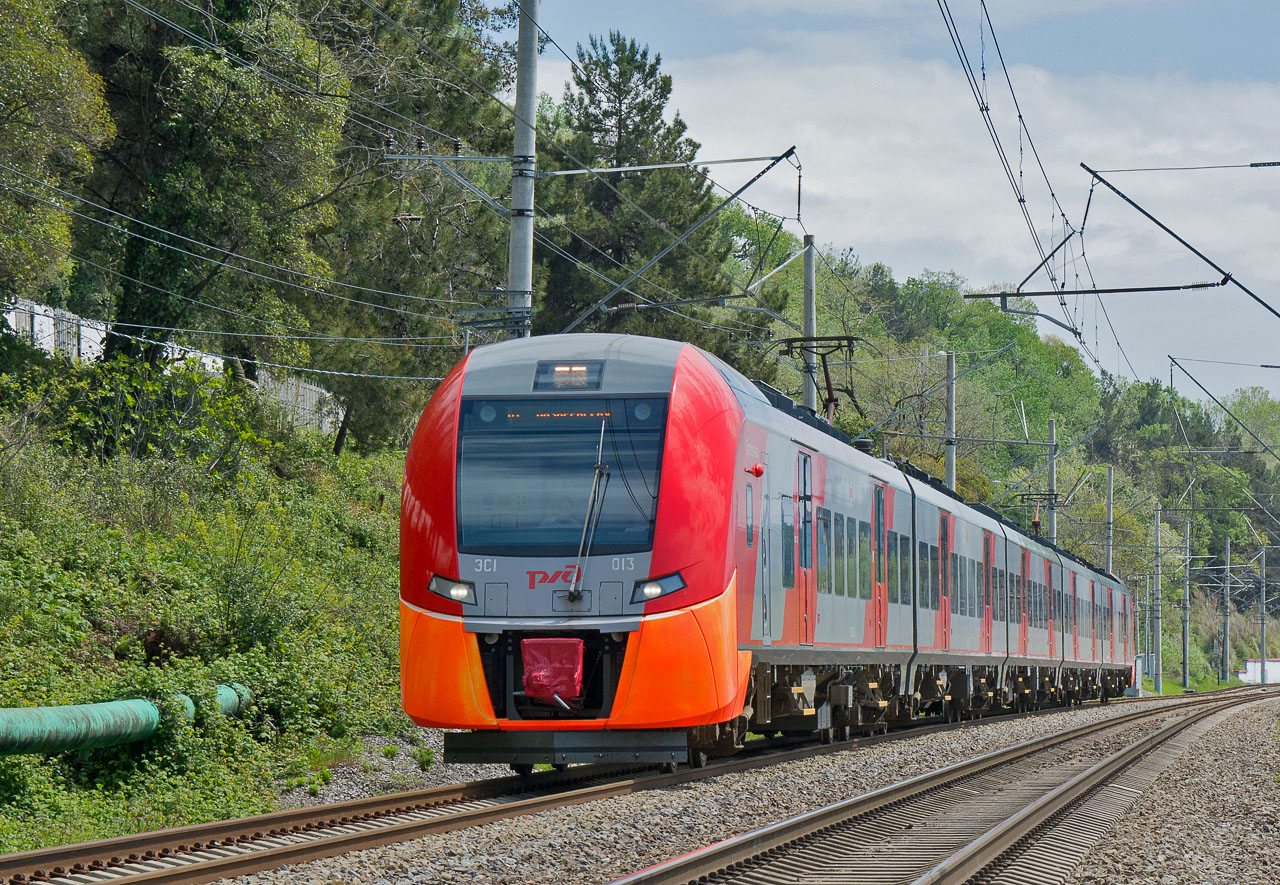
x=667 y=768
x=522 y=769
x=826 y=735
x=561 y=766
x=697 y=758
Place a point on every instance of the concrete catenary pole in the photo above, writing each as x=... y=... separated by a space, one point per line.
x=1226 y=616
x=1262 y=606
x=520 y=247
x=1186 y=605
x=1159 y=664
x=950 y=432
x=1111 y=487
x=1146 y=628
x=1053 y=481
x=810 y=326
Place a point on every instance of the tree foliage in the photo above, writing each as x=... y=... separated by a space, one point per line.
x=52 y=117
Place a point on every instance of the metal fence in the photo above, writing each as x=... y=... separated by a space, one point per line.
x=62 y=332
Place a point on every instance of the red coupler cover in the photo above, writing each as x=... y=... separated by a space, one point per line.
x=552 y=667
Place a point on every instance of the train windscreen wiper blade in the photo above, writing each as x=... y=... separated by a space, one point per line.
x=595 y=506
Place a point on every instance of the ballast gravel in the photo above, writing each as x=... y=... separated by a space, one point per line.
x=1213 y=816
x=600 y=841
x=388 y=765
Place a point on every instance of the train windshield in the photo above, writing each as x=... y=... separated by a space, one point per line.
x=526 y=468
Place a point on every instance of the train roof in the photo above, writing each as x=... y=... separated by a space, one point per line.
x=650 y=363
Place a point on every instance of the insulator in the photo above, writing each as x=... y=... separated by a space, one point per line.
x=457 y=147
x=389 y=142
x=422 y=144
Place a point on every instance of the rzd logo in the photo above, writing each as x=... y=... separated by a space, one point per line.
x=567 y=575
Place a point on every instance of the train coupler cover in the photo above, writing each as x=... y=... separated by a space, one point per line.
x=552 y=668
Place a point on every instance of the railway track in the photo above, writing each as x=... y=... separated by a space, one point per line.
x=1023 y=814
x=204 y=852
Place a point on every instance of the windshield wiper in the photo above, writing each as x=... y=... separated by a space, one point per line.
x=595 y=506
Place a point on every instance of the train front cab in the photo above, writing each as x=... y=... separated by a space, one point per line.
x=544 y=657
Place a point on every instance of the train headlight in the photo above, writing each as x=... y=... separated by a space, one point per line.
x=656 y=587
x=458 y=591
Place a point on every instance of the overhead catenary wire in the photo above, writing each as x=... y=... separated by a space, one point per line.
x=191 y=351
x=543 y=137
x=222 y=262
x=218 y=249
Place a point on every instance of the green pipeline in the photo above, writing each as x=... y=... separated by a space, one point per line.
x=87 y=726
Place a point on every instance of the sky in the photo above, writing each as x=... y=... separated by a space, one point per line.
x=899 y=166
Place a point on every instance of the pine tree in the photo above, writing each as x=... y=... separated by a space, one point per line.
x=613 y=114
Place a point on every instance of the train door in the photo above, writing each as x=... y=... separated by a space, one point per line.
x=764 y=584
x=1093 y=622
x=1111 y=626
x=879 y=573
x=946 y=543
x=1024 y=597
x=1051 y=616
x=984 y=580
x=805 y=579
x=1074 y=621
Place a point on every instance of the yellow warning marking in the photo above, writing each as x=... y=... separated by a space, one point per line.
x=809 y=712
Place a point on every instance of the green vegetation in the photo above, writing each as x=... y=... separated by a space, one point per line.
x=163 y=533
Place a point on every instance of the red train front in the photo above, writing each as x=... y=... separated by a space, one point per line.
x=567 y=582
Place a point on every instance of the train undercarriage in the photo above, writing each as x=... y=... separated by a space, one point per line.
x=824 y=703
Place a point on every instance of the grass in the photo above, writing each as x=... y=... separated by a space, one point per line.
x=182 y=548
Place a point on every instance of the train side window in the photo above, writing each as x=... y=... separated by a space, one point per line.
x=935 y=577
x=923 y=575
x=788 y=543
x=954 y=583
x=855 y=562
x=751 y=518
x=841 y=570
x=824 y=550
x=864 y=559
x=1003 y=599
x=904 y=566
x=892 y=557
x=975 y=592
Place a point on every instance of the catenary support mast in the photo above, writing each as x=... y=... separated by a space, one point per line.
x=523 y=161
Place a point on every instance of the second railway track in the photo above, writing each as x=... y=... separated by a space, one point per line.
x=1015 y=815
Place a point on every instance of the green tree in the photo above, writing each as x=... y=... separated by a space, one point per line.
x=52 y=117
x=217 y=151
x=613 y=114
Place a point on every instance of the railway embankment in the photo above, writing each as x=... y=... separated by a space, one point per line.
x=199 y=541
x=600 y=841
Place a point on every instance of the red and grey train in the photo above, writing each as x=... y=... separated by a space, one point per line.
x=618 y=548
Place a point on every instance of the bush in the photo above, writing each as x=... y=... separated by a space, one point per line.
x=161 y=544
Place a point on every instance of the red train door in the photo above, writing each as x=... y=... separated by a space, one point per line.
x=1074 y=621
x=879 y=570
x=1093 y=622
x=1050 y=608
x=805 y=583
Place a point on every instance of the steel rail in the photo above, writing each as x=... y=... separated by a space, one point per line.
x=234 y=847
x=987 y=849
x=724 y=857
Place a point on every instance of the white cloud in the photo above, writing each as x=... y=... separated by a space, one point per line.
x=898 y=165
